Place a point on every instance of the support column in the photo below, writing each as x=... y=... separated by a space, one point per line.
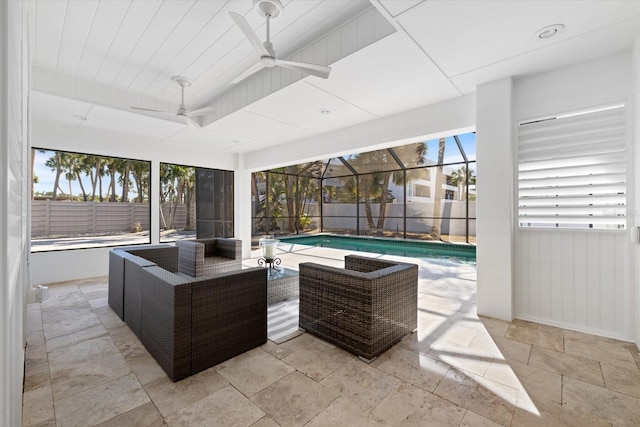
x=495 y=187
x=242 y=208
x=154 y=202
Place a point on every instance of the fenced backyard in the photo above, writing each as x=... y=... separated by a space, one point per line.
x=55 y=219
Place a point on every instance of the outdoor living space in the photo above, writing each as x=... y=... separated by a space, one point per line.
x=506 y=130
x=458 y=369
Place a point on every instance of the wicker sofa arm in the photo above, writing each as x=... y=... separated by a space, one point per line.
x=229 y=248
x=166 y=320
x=165 y=256
x=366 y=264
x=190 y=256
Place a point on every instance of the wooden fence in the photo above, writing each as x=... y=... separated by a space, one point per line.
x=63 y=218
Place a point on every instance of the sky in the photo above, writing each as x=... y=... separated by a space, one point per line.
x=46 y=176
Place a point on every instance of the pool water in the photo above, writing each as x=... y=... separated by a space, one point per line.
x=407 y=248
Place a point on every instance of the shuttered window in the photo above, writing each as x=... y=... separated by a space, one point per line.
x=572 y=170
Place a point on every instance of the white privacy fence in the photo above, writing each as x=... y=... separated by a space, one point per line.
x=63 y=218
x=420 y=217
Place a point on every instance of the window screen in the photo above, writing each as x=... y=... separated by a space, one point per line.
x=572 y=170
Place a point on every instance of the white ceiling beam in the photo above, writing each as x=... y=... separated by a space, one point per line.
x=355 y=34
x=67 y=86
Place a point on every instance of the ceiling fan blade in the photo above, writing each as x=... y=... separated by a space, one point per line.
x=249 y=34
x=188 y=120
x=314 y=69
x=254 y=69
x=147 y=109
x=201 y=112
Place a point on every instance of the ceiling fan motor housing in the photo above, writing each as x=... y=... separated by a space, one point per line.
x=271 y=8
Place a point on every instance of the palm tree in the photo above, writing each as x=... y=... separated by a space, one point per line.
x=34 y=178
x=415 y=153
x=124 y=168
x=55 y=163
x=140 y=175
x=460 y=178
x=112 y=168
x=437 y=197
x=189 y=194
x=76 y=166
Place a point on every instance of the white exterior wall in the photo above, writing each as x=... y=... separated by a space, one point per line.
x=342 y=216
x=242 y=205
x=580 y=280
x=636 y=180
x=494 y=155
x=14 y=175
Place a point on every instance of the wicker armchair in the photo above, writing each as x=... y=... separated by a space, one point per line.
x=204 y=257
x=365 y=308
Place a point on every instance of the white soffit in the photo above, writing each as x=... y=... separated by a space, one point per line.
x=257 y=129
x=370 y=78
x=61 y=111
x=299 y=105
x=492 y=31
x=217 y=140
x=590 y=46
x=396 y=7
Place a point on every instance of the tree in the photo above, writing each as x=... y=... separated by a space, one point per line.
x=172 y=181
x=55 y=163
x=189 y=194
x=75 y=165
x=415 y=155
x=459 y=178
x=124 y=168
x=112 y=167
x=382 y=168
x=258 y=202
x=140 y=175
x=90 y=169
x=437 y=197
x=34 y=178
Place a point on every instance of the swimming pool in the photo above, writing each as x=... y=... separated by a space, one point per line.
x=407 y=248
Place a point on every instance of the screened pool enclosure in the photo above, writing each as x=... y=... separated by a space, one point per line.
x=423 y=190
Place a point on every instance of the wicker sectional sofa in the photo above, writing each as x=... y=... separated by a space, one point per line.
x=187 y=324
x=365 y=308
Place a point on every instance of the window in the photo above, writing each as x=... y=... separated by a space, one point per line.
x=572 y=170
x=85 y=200
x=214 y=203
x=195 y=202
x=422 y=190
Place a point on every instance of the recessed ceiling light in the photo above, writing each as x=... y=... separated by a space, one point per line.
x=549 y=31
x=79 y=117
x=324 y=111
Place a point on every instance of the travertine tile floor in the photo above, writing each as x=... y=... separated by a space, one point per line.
x=85 y=367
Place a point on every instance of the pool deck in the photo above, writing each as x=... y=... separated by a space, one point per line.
x=440 y=278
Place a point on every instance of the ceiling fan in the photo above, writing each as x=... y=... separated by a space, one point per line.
x=182 y=112
x=271 y=9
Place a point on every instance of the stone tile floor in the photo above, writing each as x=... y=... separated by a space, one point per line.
x=85 y=367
